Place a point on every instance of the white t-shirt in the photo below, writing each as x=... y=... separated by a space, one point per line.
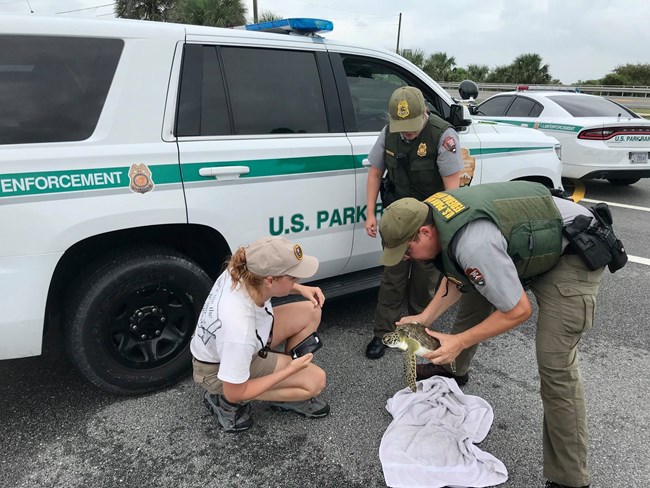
x=228 y=329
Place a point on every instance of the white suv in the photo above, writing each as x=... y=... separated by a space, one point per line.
x=136 y=156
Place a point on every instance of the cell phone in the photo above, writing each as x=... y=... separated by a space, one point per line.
x=311 y=343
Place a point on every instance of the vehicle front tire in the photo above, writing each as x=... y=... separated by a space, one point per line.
x=623 y=181
x=130 y=319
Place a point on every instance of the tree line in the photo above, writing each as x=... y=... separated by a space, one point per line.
x=526 y=68
x=215 y=13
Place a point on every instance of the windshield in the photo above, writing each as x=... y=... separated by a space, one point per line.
x=591 y=106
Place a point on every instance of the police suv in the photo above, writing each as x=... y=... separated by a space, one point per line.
x=136 y=156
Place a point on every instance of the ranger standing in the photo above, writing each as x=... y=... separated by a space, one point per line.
x=420 y=152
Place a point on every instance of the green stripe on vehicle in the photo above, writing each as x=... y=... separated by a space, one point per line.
x=276 y=166
x=541 y=125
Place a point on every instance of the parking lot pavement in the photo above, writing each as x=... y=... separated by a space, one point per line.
x=58 y=431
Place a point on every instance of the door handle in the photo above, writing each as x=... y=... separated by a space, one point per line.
x=365 y=163
x=224 y=172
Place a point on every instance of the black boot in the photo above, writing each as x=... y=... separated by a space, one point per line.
x=375 y=348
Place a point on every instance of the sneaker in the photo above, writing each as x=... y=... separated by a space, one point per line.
x=233 y=417
x=315 y=408
x=427 y=370
x=553 y=484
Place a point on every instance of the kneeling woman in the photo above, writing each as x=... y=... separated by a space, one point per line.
x=238 y=329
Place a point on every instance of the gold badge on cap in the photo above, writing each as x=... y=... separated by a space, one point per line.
x=297 y=251
x=403 y=109
x=422 y=150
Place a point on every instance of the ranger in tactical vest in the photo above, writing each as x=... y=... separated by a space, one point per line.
x=490 y=241
x=420 y=155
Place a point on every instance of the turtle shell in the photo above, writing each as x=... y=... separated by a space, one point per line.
x=417 y=332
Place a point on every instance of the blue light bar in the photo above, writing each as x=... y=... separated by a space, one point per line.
x=304 y=26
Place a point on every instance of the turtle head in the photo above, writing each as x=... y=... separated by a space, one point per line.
x=392 y=339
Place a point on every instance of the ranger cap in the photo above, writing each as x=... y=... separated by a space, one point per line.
x=406 y=107
x=276 y=256
x=397 y=227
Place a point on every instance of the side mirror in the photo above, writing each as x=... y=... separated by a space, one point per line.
x=468 y=90
x=457 y=116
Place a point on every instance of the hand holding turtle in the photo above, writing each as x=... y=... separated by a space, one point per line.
x=451 y=346
x=410 y=319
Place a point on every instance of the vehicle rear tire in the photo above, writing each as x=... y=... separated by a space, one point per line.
x=623 y=181
x=130 y=319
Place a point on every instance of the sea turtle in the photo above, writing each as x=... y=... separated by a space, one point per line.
x=414 y=341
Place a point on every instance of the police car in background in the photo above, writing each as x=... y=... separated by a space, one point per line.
x=136 y=156
x=600 y=139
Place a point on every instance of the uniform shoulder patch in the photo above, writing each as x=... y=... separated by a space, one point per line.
x=475 y=276
x=449 y=144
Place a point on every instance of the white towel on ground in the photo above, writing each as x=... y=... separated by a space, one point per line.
x=430 y=442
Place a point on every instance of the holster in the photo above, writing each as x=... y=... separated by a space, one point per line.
x=596 y=244
x=387 y=192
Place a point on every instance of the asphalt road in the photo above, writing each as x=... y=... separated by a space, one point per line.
x=58 y=431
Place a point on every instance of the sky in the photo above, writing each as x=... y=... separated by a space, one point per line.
x=578 y=39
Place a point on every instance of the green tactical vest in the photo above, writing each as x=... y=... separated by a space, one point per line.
x=523 y=211
x=416 y=174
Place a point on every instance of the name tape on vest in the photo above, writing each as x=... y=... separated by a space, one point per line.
x=446 y=205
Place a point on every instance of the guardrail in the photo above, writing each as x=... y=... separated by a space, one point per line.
x=602 y=90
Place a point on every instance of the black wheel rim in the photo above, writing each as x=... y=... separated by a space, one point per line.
x=148 y=326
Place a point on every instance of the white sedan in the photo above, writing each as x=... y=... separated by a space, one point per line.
x=599 y=137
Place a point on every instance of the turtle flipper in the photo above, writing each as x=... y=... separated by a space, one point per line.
x=452 y=366
x=409 y=370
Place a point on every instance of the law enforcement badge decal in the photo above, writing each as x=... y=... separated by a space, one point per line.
x=449 y=144
x=141 y=180
x=475 y=276
x=403 y=109
x=422 y=150
x=469 y=163
x=297 y=251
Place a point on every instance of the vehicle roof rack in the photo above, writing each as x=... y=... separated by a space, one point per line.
x=302 y=26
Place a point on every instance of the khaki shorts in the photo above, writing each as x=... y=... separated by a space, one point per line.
x=206 y=374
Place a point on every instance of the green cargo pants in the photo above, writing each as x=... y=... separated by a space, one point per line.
x=409 y=285
x=566 y=298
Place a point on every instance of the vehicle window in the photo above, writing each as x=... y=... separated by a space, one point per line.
x=274 y=91
x=202 y=106
x=52 y=89
x=372 y=83
x=494 y=106
x=581 y=106
x=536 y=110
x=522 y=107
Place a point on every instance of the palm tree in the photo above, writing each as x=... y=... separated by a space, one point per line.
x=439 y=66
x=268 y=16
x=477 y=72
x=144 y=9
x=528 y=68
x=217 y=13
x=415 y=56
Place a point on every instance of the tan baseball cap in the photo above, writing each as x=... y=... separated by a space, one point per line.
x=276 y=256
x=405 y=108
x=398 y=226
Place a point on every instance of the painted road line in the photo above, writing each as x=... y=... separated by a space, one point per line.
x=637 y=259
x=622 y=205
